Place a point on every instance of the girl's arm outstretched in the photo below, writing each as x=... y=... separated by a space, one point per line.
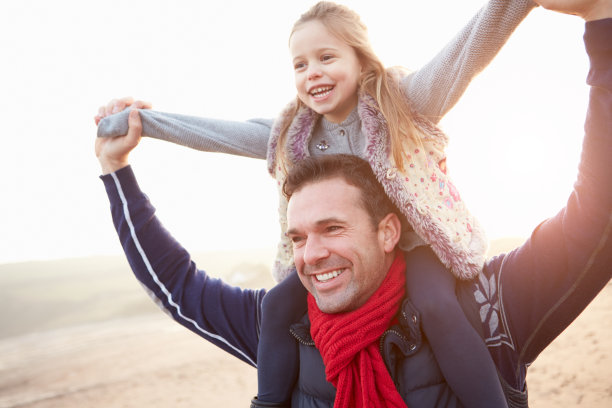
x=433 y=90
x=436 y=87
x=248 y=138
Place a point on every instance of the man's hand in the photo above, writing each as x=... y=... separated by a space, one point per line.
x=587 y=9
x=113 y=152
x=118 y=105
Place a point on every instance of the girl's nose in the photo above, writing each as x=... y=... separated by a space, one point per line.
x=313 y=73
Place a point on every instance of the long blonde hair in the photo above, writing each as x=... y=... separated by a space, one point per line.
x=375 y=80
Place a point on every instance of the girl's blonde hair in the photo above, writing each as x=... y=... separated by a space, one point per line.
x=375 y=80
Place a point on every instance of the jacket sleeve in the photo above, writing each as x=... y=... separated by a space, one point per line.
x=547 y=282
x=436 y=87
x=225 y=315
x=249 y=138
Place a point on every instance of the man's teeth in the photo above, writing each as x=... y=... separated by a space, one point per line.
x=323 y=277
x=321 y=92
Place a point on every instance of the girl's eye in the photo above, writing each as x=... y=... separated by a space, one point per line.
x=326 y=57
x=299 y=65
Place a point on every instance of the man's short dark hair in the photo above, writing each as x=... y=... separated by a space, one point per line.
x=354 y=170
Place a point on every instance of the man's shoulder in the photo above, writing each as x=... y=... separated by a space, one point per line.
x=480 y=299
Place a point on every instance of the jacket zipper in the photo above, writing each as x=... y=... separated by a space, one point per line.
x=299 y=339
x=382 y=338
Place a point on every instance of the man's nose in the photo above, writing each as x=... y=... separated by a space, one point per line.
x=314 y=251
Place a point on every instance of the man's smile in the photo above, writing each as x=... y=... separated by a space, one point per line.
x=324 y=277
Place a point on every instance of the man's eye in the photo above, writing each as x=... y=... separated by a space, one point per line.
x=333 y=228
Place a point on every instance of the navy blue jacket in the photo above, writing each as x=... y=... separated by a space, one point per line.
x=524 y=299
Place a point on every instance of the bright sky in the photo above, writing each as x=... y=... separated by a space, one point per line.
x=515 y=135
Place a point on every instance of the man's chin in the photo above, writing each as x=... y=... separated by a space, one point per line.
x=332 y=304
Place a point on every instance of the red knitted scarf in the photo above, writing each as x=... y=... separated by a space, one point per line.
x=348 y=343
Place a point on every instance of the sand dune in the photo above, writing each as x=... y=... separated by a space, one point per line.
x=81 y=333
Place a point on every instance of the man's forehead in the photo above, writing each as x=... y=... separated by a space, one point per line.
x=328 y=187
x=323 y=199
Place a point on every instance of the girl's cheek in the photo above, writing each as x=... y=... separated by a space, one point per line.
x=301 y=98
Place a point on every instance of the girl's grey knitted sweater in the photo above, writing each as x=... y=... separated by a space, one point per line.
x=432 y=91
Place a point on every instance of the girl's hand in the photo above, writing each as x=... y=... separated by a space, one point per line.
x=117 y=105
x=587 y=9
x=113 y=152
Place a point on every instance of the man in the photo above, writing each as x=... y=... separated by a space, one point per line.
x=344 y=250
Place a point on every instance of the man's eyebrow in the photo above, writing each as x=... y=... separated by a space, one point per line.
x=330 y=220
x=292 y=231
x=319 y=223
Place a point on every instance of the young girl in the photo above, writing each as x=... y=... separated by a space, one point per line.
x=349 y=103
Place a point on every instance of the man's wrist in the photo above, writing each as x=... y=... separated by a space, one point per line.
x=602 y=9
x=111 y=166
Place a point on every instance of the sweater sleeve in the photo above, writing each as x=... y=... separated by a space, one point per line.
x=547 y=282
x=249 y=138
x=436 y=87
x=227 y=316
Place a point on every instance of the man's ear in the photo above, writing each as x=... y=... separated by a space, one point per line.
x=390 y=231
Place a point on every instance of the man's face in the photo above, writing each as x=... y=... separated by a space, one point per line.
x=341 y=258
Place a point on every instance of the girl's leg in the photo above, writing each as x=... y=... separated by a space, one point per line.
x=460 y=352
x=277 y=352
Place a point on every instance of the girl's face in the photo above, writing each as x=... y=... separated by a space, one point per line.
x=327 y=71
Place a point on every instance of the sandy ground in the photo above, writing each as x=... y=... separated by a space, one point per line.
x=146 y=360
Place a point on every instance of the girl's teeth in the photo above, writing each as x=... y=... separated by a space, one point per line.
x=323 y=277
x=321 y=92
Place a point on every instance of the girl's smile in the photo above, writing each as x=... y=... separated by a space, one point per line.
x=320 y=92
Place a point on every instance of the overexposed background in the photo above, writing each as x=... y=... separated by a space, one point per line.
x=81 y=332
x=515 y=135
